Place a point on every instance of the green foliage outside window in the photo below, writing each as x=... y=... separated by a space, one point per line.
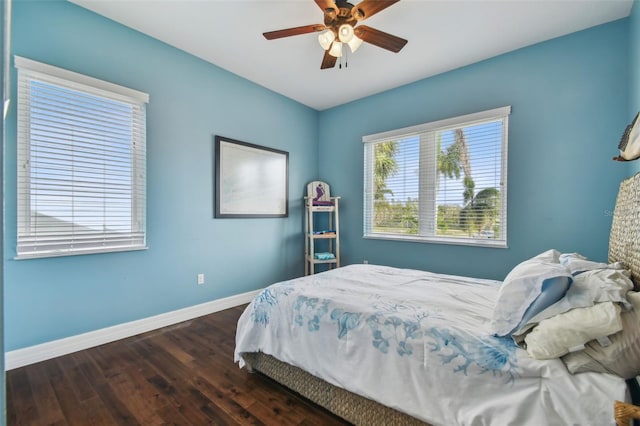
x=477 y=216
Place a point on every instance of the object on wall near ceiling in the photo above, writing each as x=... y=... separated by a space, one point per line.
x=629 y=145
x=340 y=27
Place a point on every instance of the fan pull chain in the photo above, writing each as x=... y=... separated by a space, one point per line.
x=346 y=63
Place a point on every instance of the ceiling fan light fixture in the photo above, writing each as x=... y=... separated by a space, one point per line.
x=345 y=33
x=355 y=43
x=343 y=26
x=336 y=49
x=326 y=38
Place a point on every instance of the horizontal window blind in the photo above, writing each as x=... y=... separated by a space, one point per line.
x=439 y=182
x=82 y=164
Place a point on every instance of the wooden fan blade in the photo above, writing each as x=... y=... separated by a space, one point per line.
x=380 y=38
x=328 y=61
x=305 y=29
x=367 y=8
x=326 y=4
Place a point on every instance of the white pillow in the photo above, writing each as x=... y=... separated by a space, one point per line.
x=577 y=263
x=588 y=288
x=556 y=336
x=539 y=276
x=622 y=357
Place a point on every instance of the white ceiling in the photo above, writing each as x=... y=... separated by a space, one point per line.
x=443 y=35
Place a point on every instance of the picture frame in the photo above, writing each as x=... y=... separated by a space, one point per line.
x=251 y=181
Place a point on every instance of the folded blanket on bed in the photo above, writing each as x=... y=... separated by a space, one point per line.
x=324 y=256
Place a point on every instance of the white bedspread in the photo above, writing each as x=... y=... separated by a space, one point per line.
x=419 y=342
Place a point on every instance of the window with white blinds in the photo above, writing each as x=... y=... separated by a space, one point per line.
x=442 y=182
x=81 y=163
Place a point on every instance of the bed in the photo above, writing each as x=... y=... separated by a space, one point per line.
x=381 y=345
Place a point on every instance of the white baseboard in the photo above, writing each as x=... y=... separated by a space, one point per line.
x=42 y=352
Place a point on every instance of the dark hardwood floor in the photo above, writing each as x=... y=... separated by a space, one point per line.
x=179 y=375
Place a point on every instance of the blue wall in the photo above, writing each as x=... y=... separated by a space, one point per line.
x=634 y=71
x=569 y=106
x=191 y=100
x=570 y=101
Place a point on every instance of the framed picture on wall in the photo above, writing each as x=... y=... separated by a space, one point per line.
x=250 y=180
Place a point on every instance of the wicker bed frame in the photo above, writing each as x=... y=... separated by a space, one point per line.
x=624 y=240
x=624 y=246
x=347 y=405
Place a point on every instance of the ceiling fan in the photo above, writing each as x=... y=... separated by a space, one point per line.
x=341 y=20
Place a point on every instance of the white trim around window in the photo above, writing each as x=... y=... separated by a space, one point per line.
x=439 y=182
x=81 y=164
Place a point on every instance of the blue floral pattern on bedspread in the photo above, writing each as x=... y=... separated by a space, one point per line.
x=346 y=321
x=495 y=354
x=266 y=301
x=309 y=310
x=397 y=328
x=389 y=330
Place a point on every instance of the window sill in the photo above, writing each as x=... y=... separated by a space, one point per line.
x=61 y=253
x=440 y=240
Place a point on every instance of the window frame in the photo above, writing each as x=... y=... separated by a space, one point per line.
x=30 y=71
x=501 y=113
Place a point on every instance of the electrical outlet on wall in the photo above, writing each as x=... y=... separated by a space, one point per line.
x=200 y=279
